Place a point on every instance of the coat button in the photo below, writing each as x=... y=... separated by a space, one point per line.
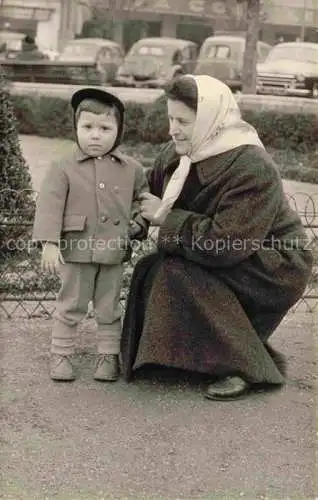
x=116 y=222
x=101 y=185
x=116 y=189
x=99 y=157
x=104 y=218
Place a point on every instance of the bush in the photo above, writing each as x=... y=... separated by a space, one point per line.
x=296 y=132
x=52 y=117
x=135 y=115
x=16 y=196
x=44 y=116
x=49 y=117
x=155 y=126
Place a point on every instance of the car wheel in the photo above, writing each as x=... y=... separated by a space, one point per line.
x=314 y=91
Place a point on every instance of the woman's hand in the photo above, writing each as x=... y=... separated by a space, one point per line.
x=149 y=206
x=133 y=229
x=51 y=258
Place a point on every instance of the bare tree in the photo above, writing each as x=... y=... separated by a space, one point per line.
x=252 y=27
x=250 y=54
x=232 y=20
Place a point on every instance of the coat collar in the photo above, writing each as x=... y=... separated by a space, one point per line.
x=207 y=170
x=81 y=156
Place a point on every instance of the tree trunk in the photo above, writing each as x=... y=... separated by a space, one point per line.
x=250 y=54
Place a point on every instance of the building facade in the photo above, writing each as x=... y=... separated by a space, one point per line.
x=281 y=19
x=50 y=22
x=288 y=20
x=53 y=22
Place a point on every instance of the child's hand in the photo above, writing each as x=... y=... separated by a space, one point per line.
x=51 y=258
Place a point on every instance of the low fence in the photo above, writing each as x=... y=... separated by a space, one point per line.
x=60 y=72
x=25 y=291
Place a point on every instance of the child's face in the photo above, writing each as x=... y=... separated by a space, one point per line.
x=96 y=133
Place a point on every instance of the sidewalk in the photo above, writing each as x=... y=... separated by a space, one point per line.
x=156 y=438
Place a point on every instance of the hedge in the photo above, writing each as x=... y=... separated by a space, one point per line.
x=16 y=196
x=52 y=117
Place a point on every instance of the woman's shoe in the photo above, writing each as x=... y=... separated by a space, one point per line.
x=227 y=389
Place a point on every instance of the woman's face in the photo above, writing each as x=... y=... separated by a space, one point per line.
x=181 y=123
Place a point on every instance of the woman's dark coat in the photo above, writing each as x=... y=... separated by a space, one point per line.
x=232 y=260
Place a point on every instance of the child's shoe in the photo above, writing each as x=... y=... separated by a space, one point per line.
x=61 y=368
x=107 y=367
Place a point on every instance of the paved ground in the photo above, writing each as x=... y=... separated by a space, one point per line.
x=155 y=438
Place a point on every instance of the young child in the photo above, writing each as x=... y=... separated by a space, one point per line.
x=86 y=212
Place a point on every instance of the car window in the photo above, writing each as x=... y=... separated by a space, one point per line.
x=186 y=53
x=118 y=53
x=177 y=57
x=217 y=52
x=106 y=54
x=263 y=52
x=148 y=50
x=80 y=49
x=14 y=45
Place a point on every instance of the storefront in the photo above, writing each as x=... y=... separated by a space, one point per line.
x=174 y=17
x=286 y=20
x=280 y=20
x=50 y=22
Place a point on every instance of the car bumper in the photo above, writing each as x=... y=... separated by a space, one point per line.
x=283 y=92
x=282 y=87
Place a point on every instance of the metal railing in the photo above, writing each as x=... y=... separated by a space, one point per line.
x=25 y=291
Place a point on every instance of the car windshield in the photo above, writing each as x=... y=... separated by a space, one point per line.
x=14 y=45
x=80 y=49
x=216 y=52
x=148 y=50
x=302 y=54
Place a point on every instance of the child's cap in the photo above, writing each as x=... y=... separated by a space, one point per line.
x=97 y=95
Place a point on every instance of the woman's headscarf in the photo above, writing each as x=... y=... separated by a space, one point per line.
x=218 y=128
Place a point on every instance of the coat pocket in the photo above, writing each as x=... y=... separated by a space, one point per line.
x=74 y=222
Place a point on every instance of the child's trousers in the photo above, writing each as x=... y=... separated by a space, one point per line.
x=82 y=283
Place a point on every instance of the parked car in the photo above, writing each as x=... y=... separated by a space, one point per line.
x=151 y=62
x=222 y=57
x=105 y=55
x=10 y=44
x=290 y=69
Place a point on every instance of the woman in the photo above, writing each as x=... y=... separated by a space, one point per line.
x=231 y=256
